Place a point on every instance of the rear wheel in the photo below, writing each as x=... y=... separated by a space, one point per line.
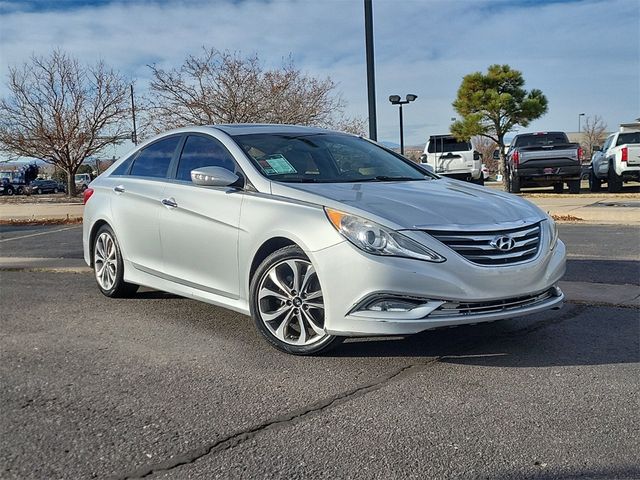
x=287 y=304
x=574 y=186
x=514 y=182
x=480 y=180
x=9 y=191
x=614 y=182
x=558 y=187
x=595 y=184
x=108 y=265
x=39 y=191
x=55 y=190
x=20 y=191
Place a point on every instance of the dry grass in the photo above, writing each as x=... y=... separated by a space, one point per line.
x=567 y=218
x=42 y=221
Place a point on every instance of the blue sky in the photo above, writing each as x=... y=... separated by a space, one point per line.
x=584 y=55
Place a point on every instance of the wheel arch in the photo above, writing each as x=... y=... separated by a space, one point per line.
x=92 y=236
x=266 y=249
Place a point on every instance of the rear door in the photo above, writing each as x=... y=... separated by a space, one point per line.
x=138 y=185
x=450 y=156
x=199 y=225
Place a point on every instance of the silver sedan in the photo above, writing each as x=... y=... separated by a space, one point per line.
x=317 y=235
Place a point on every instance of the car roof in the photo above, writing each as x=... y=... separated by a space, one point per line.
x=253 y=128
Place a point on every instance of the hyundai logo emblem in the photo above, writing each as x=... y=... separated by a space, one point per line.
x=504 y=243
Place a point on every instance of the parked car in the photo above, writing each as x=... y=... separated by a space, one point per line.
x=318 y=235
x=543 y=159
x=618 y=161
x=6 y=187
x=44 y=186
x=82 y=181
x=453 y=158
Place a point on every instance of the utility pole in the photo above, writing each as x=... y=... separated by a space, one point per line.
x=371 y=75
x=134 y=134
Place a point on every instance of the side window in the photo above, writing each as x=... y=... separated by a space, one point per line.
x=607 y=144
x=202 y=151
x=123 y=168
x=154 y=160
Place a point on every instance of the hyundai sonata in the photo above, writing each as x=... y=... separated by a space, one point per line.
x=318 y=235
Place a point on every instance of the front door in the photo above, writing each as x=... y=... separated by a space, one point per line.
x=199 y=225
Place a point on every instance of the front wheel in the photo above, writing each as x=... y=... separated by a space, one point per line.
x=39 y=191
x=558 y=187
x=108 y=265
x=287 y=304
x=9 y=191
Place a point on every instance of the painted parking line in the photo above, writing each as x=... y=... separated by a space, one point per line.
x=39 y=233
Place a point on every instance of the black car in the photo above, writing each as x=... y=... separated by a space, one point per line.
x=44 y=186
x=6 y=187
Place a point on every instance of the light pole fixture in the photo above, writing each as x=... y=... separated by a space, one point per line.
x=395 y=100
x=579 y=115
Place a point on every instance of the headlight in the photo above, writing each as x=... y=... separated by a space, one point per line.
x=552 y=231
x=379 y=240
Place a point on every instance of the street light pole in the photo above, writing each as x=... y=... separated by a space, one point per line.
x=371 y=75
x=579 y=115
x=134 y=134
x=395 y=100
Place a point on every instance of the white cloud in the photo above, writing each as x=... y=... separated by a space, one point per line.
x=423 y=47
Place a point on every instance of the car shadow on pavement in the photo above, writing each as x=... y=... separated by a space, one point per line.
x=577 y=335
x=616 y=272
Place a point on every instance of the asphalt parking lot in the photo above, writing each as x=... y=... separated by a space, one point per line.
x=166 y=387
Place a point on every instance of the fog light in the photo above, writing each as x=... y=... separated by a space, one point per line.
x=392 y=305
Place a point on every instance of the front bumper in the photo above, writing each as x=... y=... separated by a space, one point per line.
x=349 y=277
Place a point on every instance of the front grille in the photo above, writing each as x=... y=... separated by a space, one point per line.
x=452 y=309
x=477 y=246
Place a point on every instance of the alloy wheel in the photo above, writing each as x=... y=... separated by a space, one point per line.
x=105 y=261
x=290 y=303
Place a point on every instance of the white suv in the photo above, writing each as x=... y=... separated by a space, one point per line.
x=453 y=158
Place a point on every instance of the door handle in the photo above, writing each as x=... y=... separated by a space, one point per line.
x=169 y=202
x=118 y=189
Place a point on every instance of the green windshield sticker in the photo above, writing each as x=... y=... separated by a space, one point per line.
x=279 y=165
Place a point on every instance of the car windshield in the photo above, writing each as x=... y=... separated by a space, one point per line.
x=447 y=144
x=631 y=137
x=325 y=158
x=541 y=139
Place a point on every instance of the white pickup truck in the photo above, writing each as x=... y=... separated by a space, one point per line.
x=453 y=158
x=616 y=162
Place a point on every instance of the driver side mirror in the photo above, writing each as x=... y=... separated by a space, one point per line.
x=213 y=177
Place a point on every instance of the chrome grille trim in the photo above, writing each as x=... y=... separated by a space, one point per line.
x=453 y=308
x=476 y=246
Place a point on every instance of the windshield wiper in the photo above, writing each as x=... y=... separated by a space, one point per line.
x=385 y=178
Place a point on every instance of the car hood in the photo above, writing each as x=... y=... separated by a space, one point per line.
x=418 y=204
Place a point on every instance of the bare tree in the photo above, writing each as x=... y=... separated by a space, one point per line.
x=486 y=147
x=62 y=112
x=594 y=133
x=224 y=87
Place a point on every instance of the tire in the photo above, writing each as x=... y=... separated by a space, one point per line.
x=558 y=187
x=614 y=181
x=574 y=186
x=20 y=191
x=55 y=190
x=479 y=181
x=595 y=184
x=39 y=191
x=291 y=321
x=514 y=183
x=10 y=191
x=108 y=265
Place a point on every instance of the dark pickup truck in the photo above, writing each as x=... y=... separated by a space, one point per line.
x=543 y=159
